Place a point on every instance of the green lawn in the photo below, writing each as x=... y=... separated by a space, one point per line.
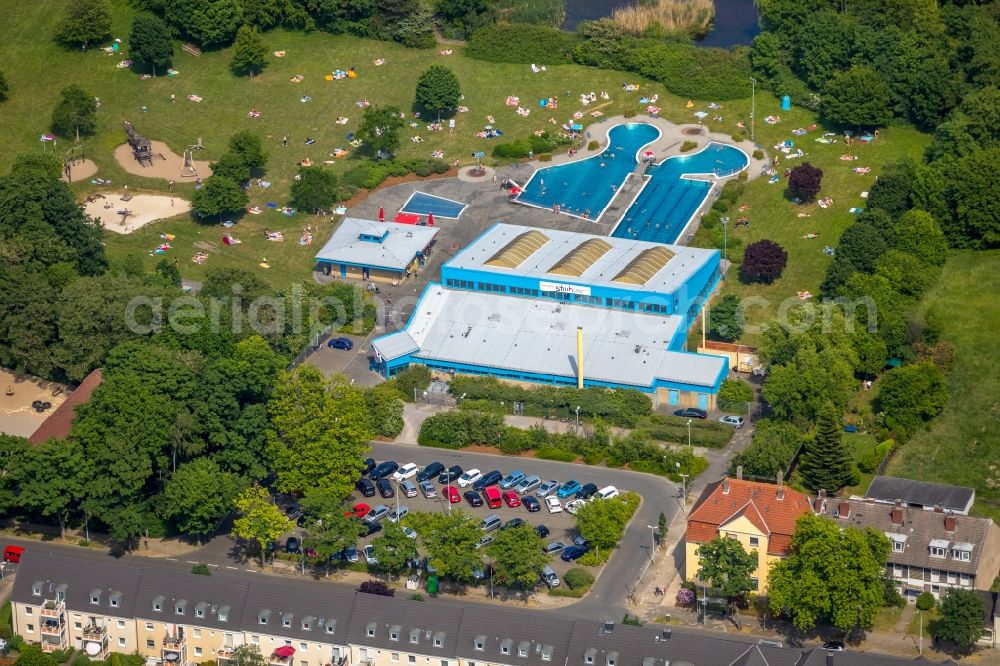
x=859 y=445
x=960 y=446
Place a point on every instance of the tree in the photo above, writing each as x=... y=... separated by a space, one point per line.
x=31 y=655
x=862 y=244
x=891 y=190
x=918 y=233
x=4 y=87
x=735 y=391
x=13 y=453
x=763 y=261
x=224 y=283
x=772 y=450
x=798 y=389
x=857 y=97
x=328 y=530
x=911 y=395
x=248 y=146
x=219 y=195
x=198 y=495
x=260 y=521
x=377 y=588
x=517 y=557
x=85 y=21
x=826 y=464
x=926 y=601
x=727 y=567
x=973 y=185
x=602 y=522
x=249 y=52
x=393 y=549
x=169 y=272
x=248 y=654
x=385 y=410
x=438 y=89
x=450 y=540
x=319 y=434
x=232 y=167
x=75 y=113
x=831 y=575
x=210 y=23
x=804 y=181
x=726 y=319
x=315 y=189
x=379 y=129
x=961 y=618
x=53 y=480
x=149 y=43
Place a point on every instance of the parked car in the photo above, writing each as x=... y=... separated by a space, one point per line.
x=485 y=541
x=511 y=498
x=531 y=503
x=450 y=474
x=383 y=470
x=550 y=577
x=365 y=487
x=428 y=489
x=491 y=522
x=553 y=504
x=587 y=491
x=293 y=545
x=451 y=494
x=834 y=646
x=568 y=489
x=735 y=421
x=385 y=488
x=359 y=510
x=581 y=542
x=573 y=553
x=430 y=472
x=397 y=515
x=340 y=343
x=351 y=554
x=369 y=552
x=469 y=478
x=369 y=466
x=473 y=498
x=405 y=472
x=575 y=505
x=378 y=513
x=607 y=492
x=511 y=480
x=513 y=522
x=370 y=527
x=692 y=413
x=410 y=532
x=547 y=488
x=554 y=547
x=491 y=478
x=528 y=484
x=542 y=531
x=492 y=496
x=408 y=489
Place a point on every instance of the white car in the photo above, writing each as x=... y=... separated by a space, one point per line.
x=553 y=505
x=575 y=505
x=469 y=478
x=369 y=553
x=405 y=472
x=735 y=421
x=607 y=492
x=410 y=532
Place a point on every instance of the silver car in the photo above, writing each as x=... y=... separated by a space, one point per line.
x=528 y=484
x=378 y=513
x=398 y=514
x=428 y=489
x=408 y=489
x=547 y=488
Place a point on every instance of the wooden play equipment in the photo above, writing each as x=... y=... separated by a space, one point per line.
x=75 y=155
x=188 y=169
x=141 y=148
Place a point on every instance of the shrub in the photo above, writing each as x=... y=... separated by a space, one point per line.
x=685 y=597
x=522 y=43
x=743 y=176
x=201 y=570
x=735 y=390
x=545 y=157
x=457 y=429
x=629 y=113
x=926 y=601
x=579 y=579
x=415 y=377
x=555 y=454
x=737 y=138
x=440 y=166
x=758 y=154
x=632 y=620
x=593 y=145
x=804 y=181
x=763 y=261
x=416 y=597
x=688 y=146
x=423 y=170
x=376 y=587
x=910 y=395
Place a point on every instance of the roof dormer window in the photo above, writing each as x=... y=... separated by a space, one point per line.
x=547 y=652
x=414 y=636
x=115 y=599
x=223 y=613
x=505 y=646
x=612 y=659
x=523 y=648
x=307 y=623
x=36 y=588
x=370 y=629
x=439 y=639
x=199 y=610
x=158 y=603
x=480 y=643
x=263 y=616
x=95 y=596
x=589 y=656
x=286 y=620
x=180 y=606
x=394 y=632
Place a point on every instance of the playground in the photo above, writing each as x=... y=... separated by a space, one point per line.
x=142 y=210
x=162 y=163
x=17 y=394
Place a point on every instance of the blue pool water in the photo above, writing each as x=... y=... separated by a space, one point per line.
x=584 y=187
x=667 y=202
x=422 y=203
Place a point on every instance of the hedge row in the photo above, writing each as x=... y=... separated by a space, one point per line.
x=370 y=175
x=537 y=145
x=522 y=43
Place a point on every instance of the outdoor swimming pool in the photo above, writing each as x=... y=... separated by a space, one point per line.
x=586 y=187
x=669 y=199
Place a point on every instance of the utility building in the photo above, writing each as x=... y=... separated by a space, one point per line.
x=377 y=251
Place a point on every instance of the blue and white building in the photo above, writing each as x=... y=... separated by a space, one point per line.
x=377 y=251
x=510 y=304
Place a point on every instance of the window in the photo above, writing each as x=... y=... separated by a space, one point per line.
x=331 y=628
x=95 y=598
x=29 y=611
x=755 y=582
x=149 y=626
x=547 y=653
x=505 y=646
x=394 y=633
x=363 y=654
x=897 y=570
x=937 y=551
x=150 y=643
x=952 y=578
x=754 y=541
x=897 y=546
x=588 y=656
x=414 y=636
x=523 y=648
x=255 y=639
x=36 y=589
x=966 y=579
x=370 y=629
x=394 y=656
x=411 y=659
x=480 y=644
x=114 y=600
x=444 y=662
x=286 y=621
x=196 y=632
x=30 y=628
x=78 y=625
x=197 y=652
x=121 y=642
x=439 y=639
x=935 y=589
x=121 y=624
x=962 y=555
x=179 y=607
x=199 y=611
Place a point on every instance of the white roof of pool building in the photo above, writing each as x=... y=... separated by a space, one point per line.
x=534 y=336
x=377 y=244
x=585 y=258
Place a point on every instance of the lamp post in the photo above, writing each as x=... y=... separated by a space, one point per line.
x=397 y=499
x=921 y=642
x=753 y=106
x=652 y=541
x=689 y=433
x=684 y=491
x=725 y=244
x=490 y=573
x=578 y=416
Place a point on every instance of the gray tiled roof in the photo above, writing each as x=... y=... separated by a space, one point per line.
x=203 y=597
x=486 y=632
x=951 y=498
x=292 y=601
x=78 y=578
x=438 y=625
x=820 y=657
x=919 y=528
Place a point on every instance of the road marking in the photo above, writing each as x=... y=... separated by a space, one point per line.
x=191 y=562
x=214 y=565
x=250 y=570
x=233 y=568
x=172 y=559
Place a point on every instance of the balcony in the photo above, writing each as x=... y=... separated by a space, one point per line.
x=53 y=608
x=277 y=660
x=174 y=643
x=225 y=653
x=93 y=632
x=53 y=646
x=52 y=628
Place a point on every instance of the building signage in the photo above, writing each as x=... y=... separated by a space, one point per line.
x=564 y=288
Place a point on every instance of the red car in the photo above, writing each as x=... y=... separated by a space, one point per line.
x=359 y=511
x=511 y=498
x=451 y=494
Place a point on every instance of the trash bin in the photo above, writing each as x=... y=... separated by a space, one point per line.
x=432 y=585
x=786 y=103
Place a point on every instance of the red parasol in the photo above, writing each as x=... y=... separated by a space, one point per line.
x=430 y=219
x=285 y=651
x=381 y=214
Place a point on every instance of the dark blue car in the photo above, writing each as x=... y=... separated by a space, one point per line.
x=340 y=343
x=573 y=553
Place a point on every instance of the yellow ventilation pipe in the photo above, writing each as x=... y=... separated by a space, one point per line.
x=579 y=357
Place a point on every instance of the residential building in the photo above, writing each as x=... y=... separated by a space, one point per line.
x=402 y=634
x=761 y=516
x=376 y=251
x=931 y=550
x=921 y=494
x=556 y=307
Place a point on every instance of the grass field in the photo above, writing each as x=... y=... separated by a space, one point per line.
x=961 y=445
